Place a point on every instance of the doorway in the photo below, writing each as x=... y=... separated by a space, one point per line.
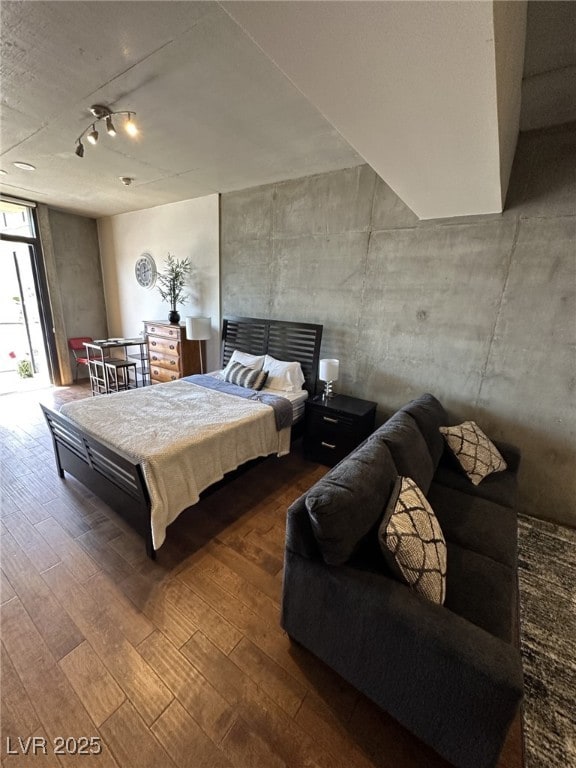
x=23 y=358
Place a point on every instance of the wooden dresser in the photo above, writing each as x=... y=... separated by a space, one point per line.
x=170 y=354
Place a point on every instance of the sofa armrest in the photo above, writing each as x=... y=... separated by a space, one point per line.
x=510 y=454
x=299 y=533
x=451 y=683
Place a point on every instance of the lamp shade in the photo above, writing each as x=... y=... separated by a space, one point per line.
x=328 y=369
x=198 y=328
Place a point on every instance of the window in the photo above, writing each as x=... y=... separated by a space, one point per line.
x=16 y=219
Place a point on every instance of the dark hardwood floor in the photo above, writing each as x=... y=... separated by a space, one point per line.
x=178 y=662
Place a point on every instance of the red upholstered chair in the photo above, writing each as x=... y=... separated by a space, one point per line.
x=79 y=351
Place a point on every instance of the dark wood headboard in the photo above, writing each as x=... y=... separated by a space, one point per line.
x=281 y=339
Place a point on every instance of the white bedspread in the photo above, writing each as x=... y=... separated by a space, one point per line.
x=186 y=438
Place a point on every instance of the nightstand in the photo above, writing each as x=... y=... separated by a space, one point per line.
x=334 y=427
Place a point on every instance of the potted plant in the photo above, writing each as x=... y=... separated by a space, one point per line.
x=171 y=284
x=24 y=369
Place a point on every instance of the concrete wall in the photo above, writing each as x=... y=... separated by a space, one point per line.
x=72 y=258
x=549 y=84
x=479 y=311
x=185 y=229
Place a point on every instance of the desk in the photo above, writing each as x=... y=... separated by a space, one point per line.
x=110 y=372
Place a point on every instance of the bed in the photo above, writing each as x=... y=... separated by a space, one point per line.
x=206 y=431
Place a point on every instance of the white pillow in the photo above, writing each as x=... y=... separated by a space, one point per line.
x=283 y=375
x=246 y=359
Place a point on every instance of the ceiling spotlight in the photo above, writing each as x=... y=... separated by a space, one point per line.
x=131 y=127
x=101 y=112
x=110 y=127
x=93 y=135
x=126 y=180
x=24 y=166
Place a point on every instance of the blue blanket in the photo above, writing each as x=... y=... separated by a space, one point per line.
x=280 y=405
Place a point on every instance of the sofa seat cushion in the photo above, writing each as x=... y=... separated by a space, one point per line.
x=429 y=415
x=500 y=487
x=408 y=448
x=346 y=503
x=481 y=590
x=475 y=523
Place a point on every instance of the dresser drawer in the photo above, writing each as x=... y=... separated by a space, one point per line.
x=165 y=331
x=162 y=360
x=164 y=346
x=163 y=374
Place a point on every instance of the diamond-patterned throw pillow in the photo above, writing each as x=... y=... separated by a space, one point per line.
x=412 y=541
x=477 y=455
x=246 y=377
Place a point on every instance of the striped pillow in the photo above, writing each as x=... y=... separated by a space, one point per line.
x=245 y=377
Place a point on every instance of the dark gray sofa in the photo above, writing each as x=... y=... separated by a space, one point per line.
x=450 y=673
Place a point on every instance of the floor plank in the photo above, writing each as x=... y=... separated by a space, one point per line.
x=60 y=710
x=132 y=743
x=145 y=689
x=95 y=686
x=215 y=715
x=185 y=741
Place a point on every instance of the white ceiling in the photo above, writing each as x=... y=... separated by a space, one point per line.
x=215 y=115
x=234 y=95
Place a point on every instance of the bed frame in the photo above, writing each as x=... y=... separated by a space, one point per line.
x=115 y=477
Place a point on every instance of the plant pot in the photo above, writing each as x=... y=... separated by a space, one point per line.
x=174 y=317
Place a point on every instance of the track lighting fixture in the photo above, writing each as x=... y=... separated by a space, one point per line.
x=104 y=113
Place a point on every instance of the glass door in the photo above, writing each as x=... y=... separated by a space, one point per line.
x=23 y=362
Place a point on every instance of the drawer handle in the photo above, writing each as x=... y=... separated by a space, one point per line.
x=153 y=343
x=172 y=362
x=172 y=346
x=173 y=377
x=154 y=357
x=327 y=445
x=332 y=421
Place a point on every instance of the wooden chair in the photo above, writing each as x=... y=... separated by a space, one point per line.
x=76 y=344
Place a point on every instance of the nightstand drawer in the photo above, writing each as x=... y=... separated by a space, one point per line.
x=335 y=422
x=328 y=450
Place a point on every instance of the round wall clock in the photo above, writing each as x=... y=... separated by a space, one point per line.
x=145 y=270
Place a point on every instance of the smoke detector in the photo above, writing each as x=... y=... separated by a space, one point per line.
x=126 y=180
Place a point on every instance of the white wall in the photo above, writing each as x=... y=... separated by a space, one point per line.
x=410 y=85
x=186 y=229
x=509 y=42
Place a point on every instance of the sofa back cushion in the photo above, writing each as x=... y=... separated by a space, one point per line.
x=347 y=502
x=430 y=415
x=408 y=448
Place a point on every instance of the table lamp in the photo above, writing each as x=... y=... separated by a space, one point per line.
x=199 y=329
x=328 y=373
